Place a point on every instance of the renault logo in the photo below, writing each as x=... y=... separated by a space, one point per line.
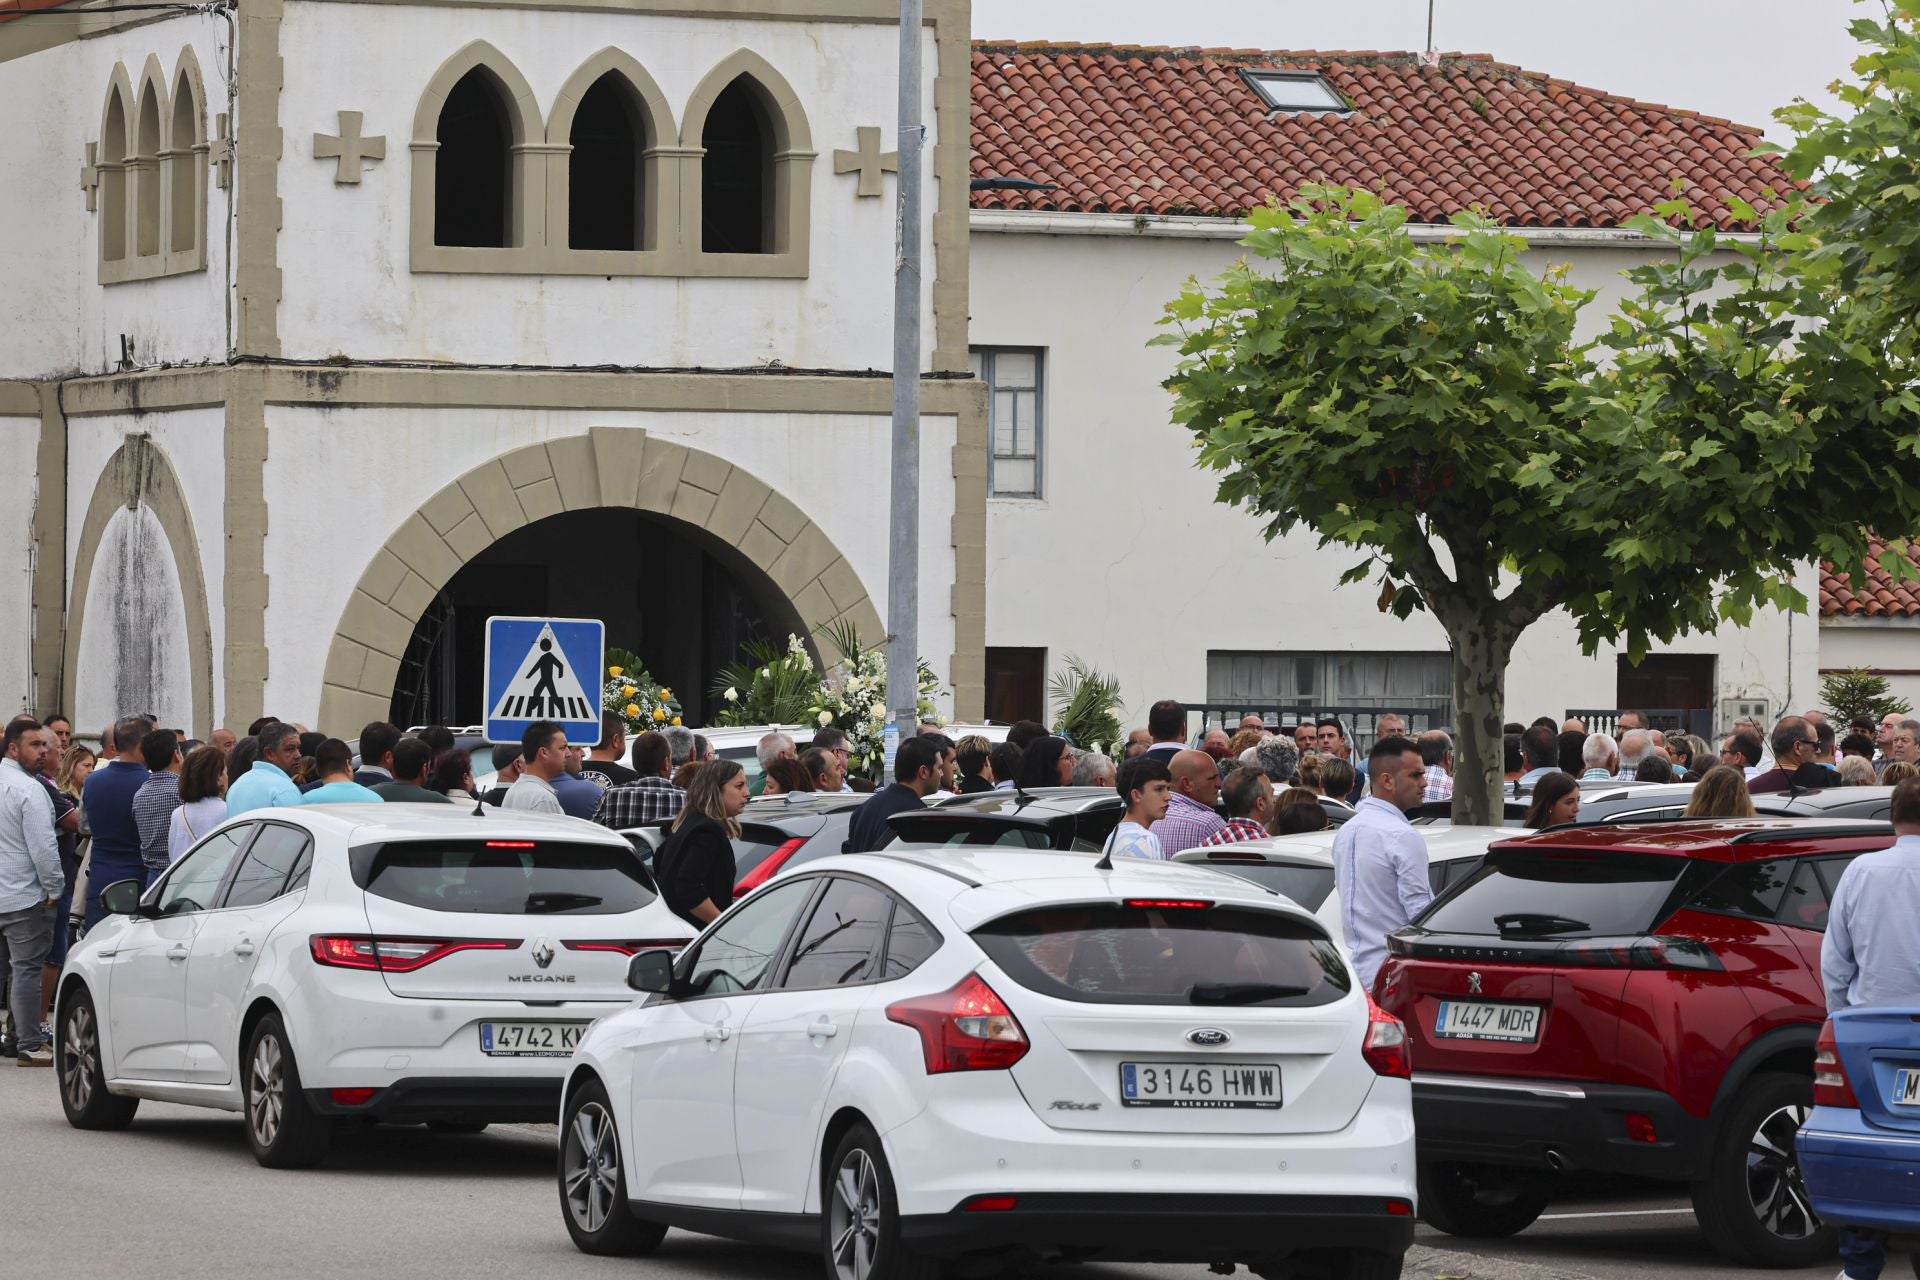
x=543 y=956
x=1473 y=982
x=1208 y=1037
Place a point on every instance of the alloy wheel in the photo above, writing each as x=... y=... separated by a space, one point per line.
x=267 y=1091
x=854 y=1216
x=81 y=1049
x=1774 y=1189
x=592 y=1165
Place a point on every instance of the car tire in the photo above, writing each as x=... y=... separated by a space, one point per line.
x=593 y=1197
x=457 y=1126
x=82 y=1071
x=860 y=1215
x=283 y=1129
x=1752 y=1206
x=1482 y=1201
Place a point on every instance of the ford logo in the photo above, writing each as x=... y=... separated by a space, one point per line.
x=1208 y=1037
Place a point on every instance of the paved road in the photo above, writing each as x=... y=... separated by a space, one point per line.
x=178 y=1195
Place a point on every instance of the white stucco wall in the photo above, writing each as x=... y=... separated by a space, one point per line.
x=19 y=437
x=56 y=317
x=834 y=468
x=1129 y=562
x=133 y=653
x=344 y=250
x=1888 y=646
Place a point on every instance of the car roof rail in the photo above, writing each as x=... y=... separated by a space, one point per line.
x=923 y=862
x=1815 y=830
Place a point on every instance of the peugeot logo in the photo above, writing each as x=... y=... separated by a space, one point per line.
x=1208 y=1037
x=1473 y=982
x=543 y=955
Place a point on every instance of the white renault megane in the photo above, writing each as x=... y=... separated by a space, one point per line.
x=398 y=962
x=908 y=1058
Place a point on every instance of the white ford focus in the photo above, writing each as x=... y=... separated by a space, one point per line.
x=396 y=962
x=920 y=1056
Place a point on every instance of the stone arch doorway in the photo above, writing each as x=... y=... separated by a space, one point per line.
x=768 y=546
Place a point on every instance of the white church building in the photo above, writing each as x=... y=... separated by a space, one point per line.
x=332 y=328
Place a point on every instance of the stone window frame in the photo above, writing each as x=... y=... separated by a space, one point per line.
x=672 y=157
x=139 y=194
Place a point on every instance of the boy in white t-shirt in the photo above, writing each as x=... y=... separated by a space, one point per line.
x=1146 y=784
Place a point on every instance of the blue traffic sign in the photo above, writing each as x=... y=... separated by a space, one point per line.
x=545 y=669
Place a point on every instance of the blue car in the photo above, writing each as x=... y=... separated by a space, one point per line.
x=1860 y=1147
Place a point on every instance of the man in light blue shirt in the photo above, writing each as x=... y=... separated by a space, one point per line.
x=1379 y=860
x=1871 y=955
x=1541 y=747
x=333 y=762
x=31 y=881
x=270 y=781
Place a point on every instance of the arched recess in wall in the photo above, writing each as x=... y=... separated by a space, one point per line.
x=759 y=148
x=116 y=137
x=487 y=105
x=186 y=162
x=614 y=122
x=618 y=467
x=149 y=140
x=139 y=475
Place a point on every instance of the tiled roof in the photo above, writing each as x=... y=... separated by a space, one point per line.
x=1124 y=129
x=1883 y=598
x=11 y=9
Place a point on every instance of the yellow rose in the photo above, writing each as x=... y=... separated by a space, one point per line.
x=615 y=671
x=666 y=694
x=632 y=710
x=628 y=691
x=659 y=713
x=676 y=722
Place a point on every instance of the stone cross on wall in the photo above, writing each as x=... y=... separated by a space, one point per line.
x=868 y=162
x=349 y=148
x=220 y=153
x=90 y=176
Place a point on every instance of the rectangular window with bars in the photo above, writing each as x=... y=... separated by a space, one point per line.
x=1015 y=416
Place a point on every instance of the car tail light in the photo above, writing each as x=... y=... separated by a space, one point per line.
x=352 y=1097
x=396 y=955
x=1831 y=1088
x=965 y=1028
x=990 y=1204
x=1167 y=904
x=630 y=948
x=1400 y=1208
x=1641 y=1128
x=768 y=868
x=1385 y=1047
x=1651 y=952
x=1229 y=856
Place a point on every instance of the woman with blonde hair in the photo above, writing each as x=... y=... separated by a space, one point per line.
x=1856 y=771
x=1898 y=772
x=70 y=778
x=1722 y=793
x=695 y=868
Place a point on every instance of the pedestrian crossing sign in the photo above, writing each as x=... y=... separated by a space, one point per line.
x=544 y=669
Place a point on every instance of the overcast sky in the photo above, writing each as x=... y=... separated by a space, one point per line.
x=1734 y=58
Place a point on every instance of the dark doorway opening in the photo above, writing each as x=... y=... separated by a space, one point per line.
x=1668 y=681
x=472 y=174
x=1016 y=685
x=674 y=594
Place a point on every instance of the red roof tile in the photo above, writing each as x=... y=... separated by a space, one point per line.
x=1122 y=129
x=1883 y=598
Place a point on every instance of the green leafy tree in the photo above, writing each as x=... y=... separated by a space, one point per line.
x=1431 y=407
x=1856 y=692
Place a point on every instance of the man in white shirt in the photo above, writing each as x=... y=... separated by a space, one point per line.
x=543 y=757
x=1870 y=956
x=31 y=882
x=1146 y=784
x=1379 y=860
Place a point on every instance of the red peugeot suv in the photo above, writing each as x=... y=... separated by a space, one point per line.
x=1628 y=999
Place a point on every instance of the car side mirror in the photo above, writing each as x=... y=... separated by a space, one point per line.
x=122 y=898
x=651 y=971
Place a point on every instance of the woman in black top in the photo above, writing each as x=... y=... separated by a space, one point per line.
x=1048 y=762
x=695 y=867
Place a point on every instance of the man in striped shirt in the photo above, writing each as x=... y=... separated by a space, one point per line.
x=1436 y=752
x=1190 y=818
x=1248 y=797
x=157 y=798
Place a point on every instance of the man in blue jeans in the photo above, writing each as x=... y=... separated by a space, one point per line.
x=1870 y=956
x=31 y=882
x=108 y=800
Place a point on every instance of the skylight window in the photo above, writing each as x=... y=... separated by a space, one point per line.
x=1298 y=92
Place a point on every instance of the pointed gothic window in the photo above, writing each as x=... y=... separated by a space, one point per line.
x=113 y=181
x=185 y=165
x=472 y=184
x=606 y=200
x=146 y=175
x=736 y=175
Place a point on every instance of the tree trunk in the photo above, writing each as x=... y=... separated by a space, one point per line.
x=1480 y=655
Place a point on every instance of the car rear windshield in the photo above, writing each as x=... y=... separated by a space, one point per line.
x=505 y=877
x=1307 y=886
x=1106 y=953
x=957 y=831
x=1562 y=893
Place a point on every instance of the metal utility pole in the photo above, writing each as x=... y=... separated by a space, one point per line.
x=903 y=563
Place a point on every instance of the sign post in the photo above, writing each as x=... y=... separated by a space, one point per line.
x=545 y=669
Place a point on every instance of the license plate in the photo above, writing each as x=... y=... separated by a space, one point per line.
x=1208 y=1085
x=1906 y=1089
x=1478 y=1020
x=531 y=1039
